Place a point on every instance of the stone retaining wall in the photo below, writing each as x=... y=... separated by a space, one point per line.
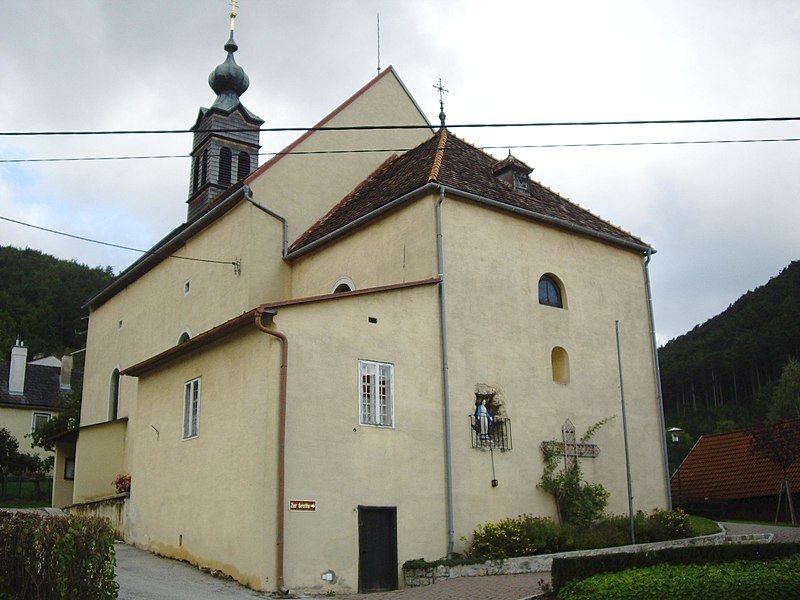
x=544 y=562
x=114 y=508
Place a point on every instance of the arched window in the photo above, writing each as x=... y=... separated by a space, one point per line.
x=343 y=284
x=550 y=291
x=204 y=168
x=185 y=337
x=560 y=365
x=113 y=396
x=243 y=169
x=225 y=158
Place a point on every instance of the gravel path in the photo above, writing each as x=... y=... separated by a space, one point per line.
x=782 y=534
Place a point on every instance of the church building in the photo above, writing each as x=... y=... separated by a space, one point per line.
x=300 y=412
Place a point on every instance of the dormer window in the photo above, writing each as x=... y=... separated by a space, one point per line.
x=514 y=173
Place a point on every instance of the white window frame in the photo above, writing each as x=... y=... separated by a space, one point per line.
x=39 y=414
x=191 y=407
x=369 y=408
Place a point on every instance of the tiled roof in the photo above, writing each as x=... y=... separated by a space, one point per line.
x=448 y=160
x=721 y=467
x=42 y=387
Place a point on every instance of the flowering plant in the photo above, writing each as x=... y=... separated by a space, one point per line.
x=122 y=483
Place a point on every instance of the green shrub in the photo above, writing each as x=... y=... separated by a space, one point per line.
x=576 y=568
x=55 y=558
x=735 y=580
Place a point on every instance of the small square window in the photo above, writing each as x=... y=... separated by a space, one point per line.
x=38 y=420
x=376 y=393
x=187 y=287
x=191 y=409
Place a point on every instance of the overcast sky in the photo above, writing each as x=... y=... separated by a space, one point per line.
x=723 y=218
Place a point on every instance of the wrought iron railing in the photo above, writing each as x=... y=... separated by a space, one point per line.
x=491 y=435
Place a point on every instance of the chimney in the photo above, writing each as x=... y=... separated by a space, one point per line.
x=16 y=375
x=66 y=372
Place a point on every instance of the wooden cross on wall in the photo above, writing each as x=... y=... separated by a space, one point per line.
x=569 y=447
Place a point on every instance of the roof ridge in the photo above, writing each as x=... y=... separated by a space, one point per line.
x=319 y=222
x=438 y=156
x=321 y=123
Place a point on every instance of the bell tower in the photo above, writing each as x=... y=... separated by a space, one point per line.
x=226 y=135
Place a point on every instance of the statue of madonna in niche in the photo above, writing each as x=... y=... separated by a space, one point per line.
x=483 y=418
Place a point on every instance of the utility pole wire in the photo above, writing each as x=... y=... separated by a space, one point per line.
x=387 y=127
x=93 y=241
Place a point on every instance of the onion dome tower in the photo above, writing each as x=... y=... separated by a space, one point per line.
x=226 y=135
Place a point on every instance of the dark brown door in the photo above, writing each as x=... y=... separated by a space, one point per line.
x=377 y=549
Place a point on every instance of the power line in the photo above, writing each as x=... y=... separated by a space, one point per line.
x=385 y=127
x=368 y=150
x=86 y=239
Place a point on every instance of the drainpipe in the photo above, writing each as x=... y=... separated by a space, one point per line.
x=448 y=451
x=279 y=516
x=248 y=195
x=657 y=371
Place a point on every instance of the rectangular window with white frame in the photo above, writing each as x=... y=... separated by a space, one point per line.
x=38 y=420
x=191 y=408
x=376 y=393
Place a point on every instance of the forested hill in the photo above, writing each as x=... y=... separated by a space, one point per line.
x=41 y=298
x=720 y=375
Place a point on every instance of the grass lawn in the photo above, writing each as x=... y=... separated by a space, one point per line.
x=27 y=497
x=769 y=523
x=703 y=526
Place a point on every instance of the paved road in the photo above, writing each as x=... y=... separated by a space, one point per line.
x=144 y=576
x=782 y=534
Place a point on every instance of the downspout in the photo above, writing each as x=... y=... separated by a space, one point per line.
x=657 y=372
x=279 y=515
x=448 y=451
x=248 y=195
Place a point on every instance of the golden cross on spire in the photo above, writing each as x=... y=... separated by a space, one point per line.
x=234 y=7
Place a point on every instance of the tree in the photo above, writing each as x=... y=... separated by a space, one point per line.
x=780 y=444
x=9 y=456
x=64 y=421
x=786 y=396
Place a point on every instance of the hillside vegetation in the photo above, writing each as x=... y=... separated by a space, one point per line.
x=41 y=298
x=722 y=375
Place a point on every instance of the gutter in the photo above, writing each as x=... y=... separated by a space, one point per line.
x=448 y=446
x=548 y=219
x=248 y=195
x=657 y=372
x=281 y=492
x=154 y=257
x=360 y=221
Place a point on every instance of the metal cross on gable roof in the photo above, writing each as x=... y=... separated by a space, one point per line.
x=442 y=91
x=569 y=447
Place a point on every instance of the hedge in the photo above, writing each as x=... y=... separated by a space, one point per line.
x=580 y=567
x=55 y=558
x=745 y=580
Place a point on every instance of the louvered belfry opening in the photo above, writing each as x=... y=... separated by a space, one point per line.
x=226 y=137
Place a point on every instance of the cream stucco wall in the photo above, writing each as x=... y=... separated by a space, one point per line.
x=210 y=500
x=62 y=488
x=303 y=188
x=500 y=335
x=397 y=248
x=341 y=464
x=99 y=458
x=19 y=421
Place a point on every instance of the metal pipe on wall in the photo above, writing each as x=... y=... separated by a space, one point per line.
x=448 y=450
x=281 y=491
x=625 y=436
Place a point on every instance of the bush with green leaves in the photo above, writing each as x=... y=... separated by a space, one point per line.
x=527 y=535
x=579 y=503
x=741 y=579
x=577 y=568
x=56 y=558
